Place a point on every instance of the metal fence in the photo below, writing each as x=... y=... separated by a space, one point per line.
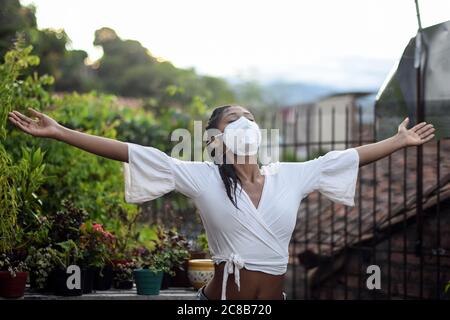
x=333 y=245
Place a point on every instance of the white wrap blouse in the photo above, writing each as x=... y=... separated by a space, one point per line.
x=251 y=238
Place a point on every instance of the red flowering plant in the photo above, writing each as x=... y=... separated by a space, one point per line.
x=97 y=244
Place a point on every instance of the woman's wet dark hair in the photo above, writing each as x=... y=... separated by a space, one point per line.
x=226 y=170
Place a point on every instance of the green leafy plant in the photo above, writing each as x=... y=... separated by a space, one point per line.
x=9 y=204
x=21 y=221
x=202 y=242
x=40 y=263
x=67 y=253
x=66 y=222
x=16 y=92
x=174 y=245
x=152 y=260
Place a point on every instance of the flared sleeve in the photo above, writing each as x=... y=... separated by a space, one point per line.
x=151 y=173
x=334 y=175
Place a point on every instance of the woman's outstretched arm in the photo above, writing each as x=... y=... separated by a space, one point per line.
x=47 y=127
x=417 y=135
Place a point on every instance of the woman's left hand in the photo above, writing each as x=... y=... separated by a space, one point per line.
x=417 y=135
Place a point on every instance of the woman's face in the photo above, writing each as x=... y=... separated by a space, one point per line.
x=232 y=114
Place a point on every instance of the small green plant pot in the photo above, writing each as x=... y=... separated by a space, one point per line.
x=148 y=282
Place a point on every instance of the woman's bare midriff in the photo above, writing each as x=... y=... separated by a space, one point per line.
x=255 y=285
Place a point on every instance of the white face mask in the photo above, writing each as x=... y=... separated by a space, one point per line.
x=242 y=137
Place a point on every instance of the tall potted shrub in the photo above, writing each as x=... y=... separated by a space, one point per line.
x=11 y=285
x=20 y=222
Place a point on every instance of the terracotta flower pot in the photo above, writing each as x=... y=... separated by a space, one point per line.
x=12 y=287
x=200 y=271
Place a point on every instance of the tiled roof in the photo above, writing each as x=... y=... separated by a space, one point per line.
x=316 y=235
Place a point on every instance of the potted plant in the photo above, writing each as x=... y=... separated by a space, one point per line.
x=40 y=263
x=177 y=249
x=199 y=248
x=13 y=276
x=19 y=220
x=65 y=226
x=200 y=267
x=97 y=245
x=66 y=254
x=123 y=275
x=151 y=266
x=66 y=222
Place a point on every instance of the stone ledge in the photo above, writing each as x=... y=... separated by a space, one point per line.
x=116 y=294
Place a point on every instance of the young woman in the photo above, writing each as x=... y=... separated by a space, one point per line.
x=249 y=212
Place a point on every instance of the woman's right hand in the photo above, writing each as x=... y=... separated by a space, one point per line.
x=44 y=126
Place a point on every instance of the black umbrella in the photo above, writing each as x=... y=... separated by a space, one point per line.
x=418 y=88
x=428 y=52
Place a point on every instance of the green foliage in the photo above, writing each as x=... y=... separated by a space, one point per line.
x=9 y=206
x=91 y=182
x=20 y=93
x=202 y=242
x=174 y=244
x=21 y=221
x=41 y=262
x=67 y=253
x=30 y=177
x=41 y=213
x=14 y=17
x=154 y=261
x=66 y=222
x=160 y=249
x=22 y=168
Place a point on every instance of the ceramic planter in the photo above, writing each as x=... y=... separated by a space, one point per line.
x=12 y=287
x=200 y=272
x=147 y=282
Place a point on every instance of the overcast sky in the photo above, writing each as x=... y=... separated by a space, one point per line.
x=343 y=43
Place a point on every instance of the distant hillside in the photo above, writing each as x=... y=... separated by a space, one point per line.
x=295 y=92
x=278 y=92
